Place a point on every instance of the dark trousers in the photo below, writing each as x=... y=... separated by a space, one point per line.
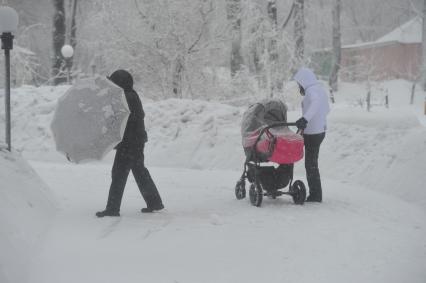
x=312 y=147
x=126 y=160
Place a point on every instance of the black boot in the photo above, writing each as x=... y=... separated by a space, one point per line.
x=314 y=197
x=152 y=208
x=107 y=212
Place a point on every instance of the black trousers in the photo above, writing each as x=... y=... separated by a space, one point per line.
x=125 y=160
x=312 y=147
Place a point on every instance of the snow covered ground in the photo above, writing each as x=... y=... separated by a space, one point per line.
x=206 y=235
x=370 y=228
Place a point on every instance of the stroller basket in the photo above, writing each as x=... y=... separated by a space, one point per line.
x=270 y=178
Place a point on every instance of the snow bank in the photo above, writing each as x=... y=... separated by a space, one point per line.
x=194 y=134
x=32 y=113
x=380 y=150
x=26 y=208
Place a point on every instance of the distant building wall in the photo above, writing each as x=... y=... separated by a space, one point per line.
x=389 y=60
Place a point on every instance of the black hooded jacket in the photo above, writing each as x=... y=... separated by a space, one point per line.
x=134 y=135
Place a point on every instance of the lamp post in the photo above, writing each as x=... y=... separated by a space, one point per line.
x=8 y=25
x=67 y=51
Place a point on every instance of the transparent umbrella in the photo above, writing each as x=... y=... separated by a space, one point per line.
x=90 y=119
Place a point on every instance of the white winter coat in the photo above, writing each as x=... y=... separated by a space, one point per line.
x=315 y=105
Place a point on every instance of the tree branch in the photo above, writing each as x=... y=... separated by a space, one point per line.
x=204 y=16
x=288 y=17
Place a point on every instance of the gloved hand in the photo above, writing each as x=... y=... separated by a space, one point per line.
x=301 y=123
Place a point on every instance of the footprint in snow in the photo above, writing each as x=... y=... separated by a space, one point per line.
x=215 y=219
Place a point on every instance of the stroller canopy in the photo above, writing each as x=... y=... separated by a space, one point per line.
x=261 y=114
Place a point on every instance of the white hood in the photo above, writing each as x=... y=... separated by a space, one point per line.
x=305 y=77
x=315 y=105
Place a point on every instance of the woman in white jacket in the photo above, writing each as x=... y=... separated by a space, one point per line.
x=315 y=108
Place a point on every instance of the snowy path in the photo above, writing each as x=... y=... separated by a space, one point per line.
x=206 y=235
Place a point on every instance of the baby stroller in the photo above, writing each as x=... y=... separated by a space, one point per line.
x=267 y=138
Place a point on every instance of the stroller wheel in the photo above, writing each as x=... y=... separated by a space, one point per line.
x=256 y=194
x=240 y=189
x=298 y=192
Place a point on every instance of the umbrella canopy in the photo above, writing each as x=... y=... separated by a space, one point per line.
x=90 y=119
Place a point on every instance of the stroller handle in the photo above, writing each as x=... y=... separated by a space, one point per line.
x=283 y=124
x=276 y=125
x=280 y=124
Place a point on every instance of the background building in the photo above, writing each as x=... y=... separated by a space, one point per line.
x=396 y=55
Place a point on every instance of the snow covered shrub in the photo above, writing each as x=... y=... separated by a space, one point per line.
x=24 y=65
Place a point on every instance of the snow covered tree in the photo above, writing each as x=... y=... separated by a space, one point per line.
x=167 y=45
x=336 y=45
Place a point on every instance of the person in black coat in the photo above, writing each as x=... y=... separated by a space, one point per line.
x=129 y=155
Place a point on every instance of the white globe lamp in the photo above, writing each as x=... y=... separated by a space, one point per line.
x=8 y=19
x=67 y=51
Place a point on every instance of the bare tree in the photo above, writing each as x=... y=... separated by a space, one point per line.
x=58 y=40
x=299 y=32
x=233 y=8
x=336 y=45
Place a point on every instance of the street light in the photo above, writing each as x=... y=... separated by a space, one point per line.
x=67 y=51
x=8 y=25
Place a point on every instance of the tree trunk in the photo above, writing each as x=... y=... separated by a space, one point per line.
x=233 y=9
x=73 y=30
x=58 y=41
x=424 y=47
x=178 y=77
x=273 y=48
x=413 y=92
x=336 y=46
x=257 y=51
x=272 y=14
x=299 y=33
x=368 y=100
